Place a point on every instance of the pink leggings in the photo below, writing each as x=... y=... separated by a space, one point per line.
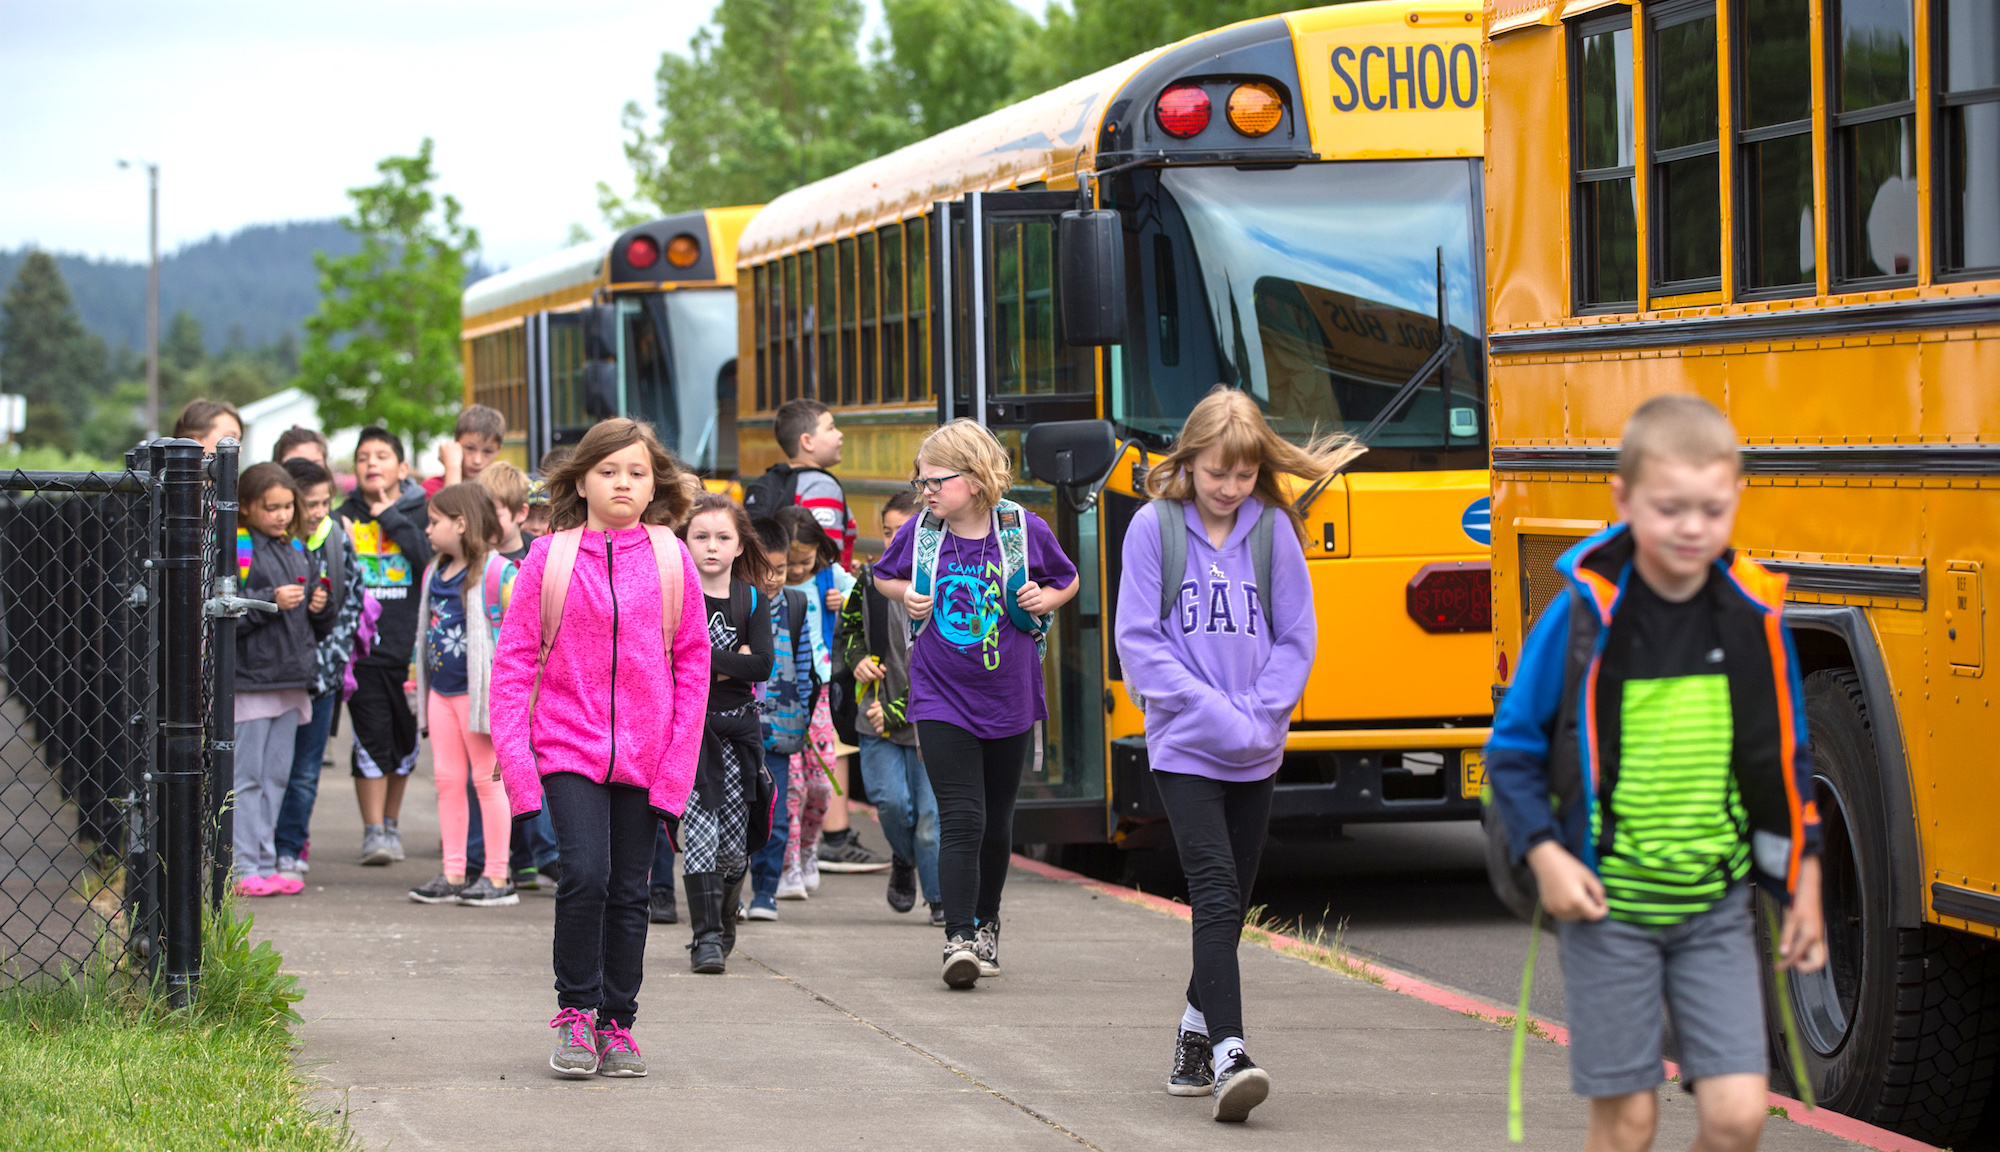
x=810 y=790
x=456 y=750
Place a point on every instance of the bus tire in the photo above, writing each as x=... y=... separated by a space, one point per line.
x=1513 y=883
x=1902 y=1026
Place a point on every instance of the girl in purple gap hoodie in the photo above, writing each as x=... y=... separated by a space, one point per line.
x=610 y=737
x=1220 y=677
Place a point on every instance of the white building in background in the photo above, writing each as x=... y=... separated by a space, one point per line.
x=267 y=419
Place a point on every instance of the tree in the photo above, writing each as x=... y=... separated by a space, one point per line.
x=1092 y=34
x=46 y=355
x=383 y=347
x=944 y=62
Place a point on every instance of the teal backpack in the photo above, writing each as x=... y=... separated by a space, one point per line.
x=1010 y=524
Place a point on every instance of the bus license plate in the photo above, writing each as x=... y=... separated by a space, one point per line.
x=1472 y=773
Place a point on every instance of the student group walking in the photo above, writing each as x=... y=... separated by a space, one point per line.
x=615 y=667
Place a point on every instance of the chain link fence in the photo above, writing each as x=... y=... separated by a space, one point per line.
x=105 y=689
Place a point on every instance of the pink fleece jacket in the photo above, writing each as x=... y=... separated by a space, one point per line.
x=610 y=708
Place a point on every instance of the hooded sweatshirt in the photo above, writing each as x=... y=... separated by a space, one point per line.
x=393 y=551
x=612 y=706
x=1219 y=685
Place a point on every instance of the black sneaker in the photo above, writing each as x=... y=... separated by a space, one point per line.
x=484 y=893
x=937 y=915
x=438 y=891
x=961 y=967
x=848 y=854
x=528 y=880
x=986 y=946
x=1239 y=1088
x=1194 y=1066
x=551 y=872
x=902 y=886
x=660 y=907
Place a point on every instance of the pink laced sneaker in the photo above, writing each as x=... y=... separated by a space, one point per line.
x=618 y=1053
x=257 y=886
x=576 y=1043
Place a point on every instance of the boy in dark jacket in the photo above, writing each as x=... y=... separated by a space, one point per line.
x=385 y=521
x=872 y=640
x=1659 y=702
x=274 y=672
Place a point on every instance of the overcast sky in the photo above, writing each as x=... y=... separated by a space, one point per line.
x=260 y=111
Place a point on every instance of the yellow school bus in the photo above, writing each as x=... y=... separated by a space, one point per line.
x=1289 y=205
x=642 y=324
x=1791 y=207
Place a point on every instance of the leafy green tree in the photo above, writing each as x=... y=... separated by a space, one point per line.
x=383 y=347
x=46 y=354
x=1085 y=35
x=945 y=62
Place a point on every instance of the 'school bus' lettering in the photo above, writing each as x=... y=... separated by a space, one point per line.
x=1405 y=77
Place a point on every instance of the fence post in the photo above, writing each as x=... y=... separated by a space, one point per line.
x=141 y=868
x=222 y=652
x=180 y=823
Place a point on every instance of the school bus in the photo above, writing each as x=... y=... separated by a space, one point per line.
x=1791 y=207
x=1288 y=205
x=642 y=324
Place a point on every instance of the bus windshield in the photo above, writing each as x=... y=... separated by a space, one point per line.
x=1314 y=288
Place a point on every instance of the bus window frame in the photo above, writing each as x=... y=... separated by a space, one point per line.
x=1745 y=203
x=1837 y=125
x=1946 y=103
x=1576 y=32
x=1673 y=14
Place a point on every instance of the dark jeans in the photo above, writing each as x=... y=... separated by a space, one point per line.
x=605 y=834
x=531 y=844
x=768 y=862
x=975 y=781
x=1219 y=830
x=302 y=790
x=663 y=858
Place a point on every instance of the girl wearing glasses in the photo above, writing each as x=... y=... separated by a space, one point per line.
x=975 y=679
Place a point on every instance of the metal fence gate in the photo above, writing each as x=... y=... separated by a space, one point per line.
x=116 y=711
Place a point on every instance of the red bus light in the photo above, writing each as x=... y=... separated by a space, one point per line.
x=1183 y=111
x=642 y=252
x=1453 y=596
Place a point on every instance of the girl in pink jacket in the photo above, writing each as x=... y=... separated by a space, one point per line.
x=599 y=693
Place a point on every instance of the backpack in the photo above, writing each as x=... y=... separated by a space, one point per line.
x=789 y=694
x=563 y=548
x=777 y=488
x=1010 y=524
x=1173 y=554
x=497 y=589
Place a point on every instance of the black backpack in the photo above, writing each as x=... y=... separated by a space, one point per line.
x=777 y=488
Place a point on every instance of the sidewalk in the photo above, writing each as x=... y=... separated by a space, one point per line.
x=428 y=1026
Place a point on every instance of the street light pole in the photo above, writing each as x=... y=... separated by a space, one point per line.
x=152 y=295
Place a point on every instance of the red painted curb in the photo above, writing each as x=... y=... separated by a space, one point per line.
x=1821 y=1119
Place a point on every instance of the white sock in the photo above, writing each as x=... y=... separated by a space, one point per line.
x=1228 y=1050
x=1193 y=1021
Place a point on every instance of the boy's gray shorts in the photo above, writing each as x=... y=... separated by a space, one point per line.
x=1706 y=971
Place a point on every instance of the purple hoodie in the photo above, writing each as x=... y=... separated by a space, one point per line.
x=1219 y=685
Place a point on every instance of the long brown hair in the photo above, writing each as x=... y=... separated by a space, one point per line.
x=801 y=528
x=1229 y=419
x=468 y=500
x=261 y=478
x=567 y=508
x=751 y=567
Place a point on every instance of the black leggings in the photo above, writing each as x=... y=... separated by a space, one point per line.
x=975 y=781
x=1219 y=829
x=605 y=835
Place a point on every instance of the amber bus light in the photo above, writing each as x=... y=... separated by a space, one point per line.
x=683 y=250
x=1255 y=109
x=1183 y=111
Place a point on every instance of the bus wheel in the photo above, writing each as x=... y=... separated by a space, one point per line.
x=1513 y=883
x=1901 y=1028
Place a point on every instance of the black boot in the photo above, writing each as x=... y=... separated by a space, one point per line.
x=732 y=897
x=704 y=899
x=661 y=908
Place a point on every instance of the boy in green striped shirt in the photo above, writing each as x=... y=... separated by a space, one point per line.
x=1649 y=757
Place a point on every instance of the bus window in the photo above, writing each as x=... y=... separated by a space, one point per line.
x=703 y=343
x=1686 y=151
x=864 y=297
x=1607 y=218
x=1774 y=146
x=760 y=310
x=892 y=313
x=1969 y=136
x=649 y=394
x=917 y=295
x=849 y=316
x=825 y=320
x=1875 y=140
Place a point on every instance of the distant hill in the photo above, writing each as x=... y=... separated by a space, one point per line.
x=254 y=285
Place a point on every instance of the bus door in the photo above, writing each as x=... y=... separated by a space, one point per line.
x=573 y=378
x=1003 y=361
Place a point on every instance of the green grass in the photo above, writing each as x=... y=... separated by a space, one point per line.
x=98 y=1060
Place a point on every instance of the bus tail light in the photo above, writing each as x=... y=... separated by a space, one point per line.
x=642 y=252
x=1183 y=110
x=1452 y=596
x=683 y=250
x=1255 y=109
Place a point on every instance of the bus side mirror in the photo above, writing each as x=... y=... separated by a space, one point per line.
x=600 y=389
x=1068 y=453
x=1091 y=249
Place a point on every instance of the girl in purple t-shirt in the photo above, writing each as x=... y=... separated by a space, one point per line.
x=975 y=679
x=1220 y=676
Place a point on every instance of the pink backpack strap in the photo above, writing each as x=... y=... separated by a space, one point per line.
x=556 y=573
x=667 y=554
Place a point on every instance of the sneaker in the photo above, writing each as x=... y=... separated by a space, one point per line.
x=809 y=872
x=484 y=893
x=660 y=907
x=902 y=886
x=792 y=885
x=937 y=915
x=1239 y=1088
x=439 y=891
x=762 y=908
x=961 y=967
x=395 y=835
x=551 y=872
x=256 y=886
x=290 y=864
x=848 y=854
x=618 y=1053
x=1194 y=1066
x=288 y=870
x=305 y=856
x=375 y=848
x=528 y=879
x=576 y=1043
x=986 y=946
x=283 y=885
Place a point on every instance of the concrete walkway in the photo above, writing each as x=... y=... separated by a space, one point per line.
x=428 y=1027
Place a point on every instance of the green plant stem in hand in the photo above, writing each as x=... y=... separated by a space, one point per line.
x=1783 y=992
x=824 y=767
x=1514 y=1126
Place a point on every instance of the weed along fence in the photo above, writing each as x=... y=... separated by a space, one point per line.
x=116 y=711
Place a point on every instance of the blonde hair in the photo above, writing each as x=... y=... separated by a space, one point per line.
x=972 y=452
x=1680 y=427
x=1229 y=420
x=508 y=484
